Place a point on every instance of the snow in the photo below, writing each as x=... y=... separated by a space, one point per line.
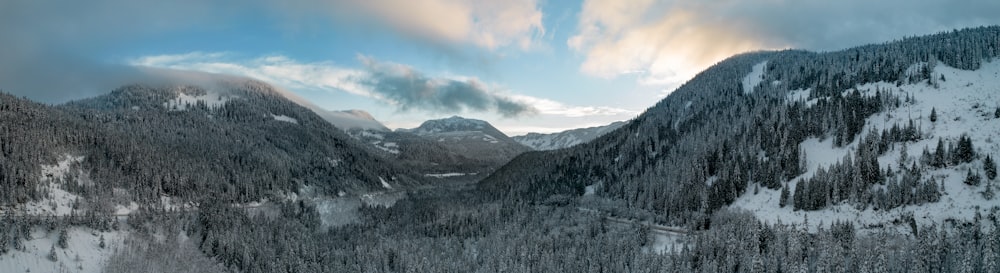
x=285 y=118
x=58 y=201
x=964 y=102
x=83 y=253
x=565 y=139
x=801 y=95
x=183 y=101
x=590 y=189
x=384 y=184
x=665 y=242
x=389 y=147
x=753 y=79
x=490 y=139
x=445 y=175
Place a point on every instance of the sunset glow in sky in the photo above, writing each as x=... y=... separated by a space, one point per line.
x=523 y=65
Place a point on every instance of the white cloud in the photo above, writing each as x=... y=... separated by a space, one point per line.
x=379 y=81
x=555 y=108
x=275 y=69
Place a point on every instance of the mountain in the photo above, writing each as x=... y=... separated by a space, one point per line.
x=236 y=140
x=477 y=140
x=565 y=139
x=792 y=135
x=353 y=119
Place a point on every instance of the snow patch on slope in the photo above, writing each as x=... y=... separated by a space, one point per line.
x=184 y=101
x=965 y=103
x=753 y=79
x=285 y=118
x=83 y=253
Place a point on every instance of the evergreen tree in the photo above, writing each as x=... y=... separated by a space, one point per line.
x=52 y=254
x=997 y=113
x=940 y=155
x=63 y=241
x=933 y=115
x=965 y=152
x=783 y=200
x=972 y=179
x=990 y=168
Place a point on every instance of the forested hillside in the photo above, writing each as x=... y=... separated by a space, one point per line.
x=239 y=141
x=725 y=133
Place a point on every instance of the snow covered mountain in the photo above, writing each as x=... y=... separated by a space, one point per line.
x=565 y=139
x=239 y=140
x=792 y=135
x=471 y=138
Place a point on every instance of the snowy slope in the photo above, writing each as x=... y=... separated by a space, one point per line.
x=753 y=79
x=565 y=139
x=83 y=252
x=965 y=103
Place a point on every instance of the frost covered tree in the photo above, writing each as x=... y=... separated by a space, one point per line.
x=990 y=168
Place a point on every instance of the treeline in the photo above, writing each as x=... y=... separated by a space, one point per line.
x=463 y=234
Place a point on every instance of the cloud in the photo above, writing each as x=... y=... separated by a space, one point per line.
x=51 y=49
x=402 y=86
x=48 y=46
x=665 y=42
x=486 y=24
x=409 y=89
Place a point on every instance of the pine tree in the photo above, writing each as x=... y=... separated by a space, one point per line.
x=997 y=113
x=933 y=115
x=939 y=155
x=783 y=200
x=990 y=168
x=63 y=241
x=52 y=254
x=972 y=179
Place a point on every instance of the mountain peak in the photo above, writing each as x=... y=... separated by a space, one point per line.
x=454 y=124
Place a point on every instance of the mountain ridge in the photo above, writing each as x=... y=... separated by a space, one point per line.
x=565 y=139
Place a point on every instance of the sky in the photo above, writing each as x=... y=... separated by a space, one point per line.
x=523 y=65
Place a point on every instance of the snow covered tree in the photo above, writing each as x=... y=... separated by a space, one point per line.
x=63 y=240
x=990 y=168
x=52 y=254
x=972 y=178
x=933 y=116
x=965 y=152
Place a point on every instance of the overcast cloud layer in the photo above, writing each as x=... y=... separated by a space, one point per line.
x=49 y=46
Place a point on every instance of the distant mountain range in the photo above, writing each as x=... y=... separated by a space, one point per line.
x=565 y=139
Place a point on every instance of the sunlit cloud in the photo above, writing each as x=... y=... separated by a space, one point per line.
x=659 y=42
x=485 y=24
x=666 y=42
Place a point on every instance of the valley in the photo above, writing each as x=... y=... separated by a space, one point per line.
x=877 y=158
